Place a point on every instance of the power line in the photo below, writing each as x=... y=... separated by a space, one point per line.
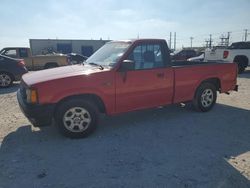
x=223 y=38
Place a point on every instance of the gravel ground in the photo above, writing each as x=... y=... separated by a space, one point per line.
x=166 y=147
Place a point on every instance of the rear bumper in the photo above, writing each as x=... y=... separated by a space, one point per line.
x=38 y=115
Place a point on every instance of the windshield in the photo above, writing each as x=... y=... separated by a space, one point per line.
x=1 y=51
x=109 y=54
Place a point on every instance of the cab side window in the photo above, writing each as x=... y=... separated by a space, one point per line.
x=23 y=52
x=147 y=56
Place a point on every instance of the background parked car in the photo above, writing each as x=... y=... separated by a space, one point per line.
x=37 y=62
x=183 y=55
x=76 y=58
x=197 y=58
x=11 y=70
x=238 y=52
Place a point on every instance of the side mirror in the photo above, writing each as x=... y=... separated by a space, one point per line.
x=127 y=65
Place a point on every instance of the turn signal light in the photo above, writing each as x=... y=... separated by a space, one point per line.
x=32 y=96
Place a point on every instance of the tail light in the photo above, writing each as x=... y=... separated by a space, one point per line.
x=225 y=54
x=21 y=63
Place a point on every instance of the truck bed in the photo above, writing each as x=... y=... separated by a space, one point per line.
x=189 y=75
x=190 y=63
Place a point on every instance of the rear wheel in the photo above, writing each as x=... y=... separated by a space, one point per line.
x=6 y=79
x=241 y=68
x=205 y=97
x=242 y=62
x=50 y=65
x=76 y=118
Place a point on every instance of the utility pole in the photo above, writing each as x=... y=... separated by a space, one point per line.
x=246 y=33
x=174 y=41
x=210 y=41
x=225 y=39
x=207 y=43
x=228 y=38
x=170 y=40
x=191 y=40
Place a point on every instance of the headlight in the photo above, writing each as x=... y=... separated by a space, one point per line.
x=32 y=96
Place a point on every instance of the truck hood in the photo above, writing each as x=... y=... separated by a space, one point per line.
x=58 y=73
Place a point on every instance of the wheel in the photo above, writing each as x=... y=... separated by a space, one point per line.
x=6 y=79
x=242 y=62
x=76 y=118
x=241 y=68
x=50 y=65
x=205 y=97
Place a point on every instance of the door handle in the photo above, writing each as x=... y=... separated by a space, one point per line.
x=160 y=75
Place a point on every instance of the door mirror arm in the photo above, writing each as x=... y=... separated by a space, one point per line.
x=126 y=66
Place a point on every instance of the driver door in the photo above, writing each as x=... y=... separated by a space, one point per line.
x=148 y=84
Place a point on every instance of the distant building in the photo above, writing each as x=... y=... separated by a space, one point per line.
x=84 y=47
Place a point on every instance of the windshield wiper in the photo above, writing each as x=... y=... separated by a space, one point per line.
x=95 y=64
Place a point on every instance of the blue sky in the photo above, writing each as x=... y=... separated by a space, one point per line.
x=79 y=19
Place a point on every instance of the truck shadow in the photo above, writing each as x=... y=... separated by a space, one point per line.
x=11 y=89
x=245 y=74
x=167 y=147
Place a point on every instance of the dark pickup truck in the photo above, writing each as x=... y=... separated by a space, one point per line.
x=121 y=76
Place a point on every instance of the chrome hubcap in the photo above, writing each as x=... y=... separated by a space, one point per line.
x=207 y=97
x=5 y=80
x=77 y=119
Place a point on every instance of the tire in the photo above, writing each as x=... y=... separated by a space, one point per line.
x=76 y=118
x=242 y=62
x=6 y=79
x=241 y=68
x=50 y=65
x=205 y=97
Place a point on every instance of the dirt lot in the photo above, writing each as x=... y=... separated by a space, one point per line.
x=166 y=147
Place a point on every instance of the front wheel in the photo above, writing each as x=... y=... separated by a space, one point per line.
x=76 y=118
x=205 y=97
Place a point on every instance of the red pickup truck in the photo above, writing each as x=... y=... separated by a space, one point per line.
x=122 y=76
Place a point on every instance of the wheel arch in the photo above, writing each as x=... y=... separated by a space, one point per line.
x=242 y=59
x=89 y=97
x=215 y=81
x=50 y=64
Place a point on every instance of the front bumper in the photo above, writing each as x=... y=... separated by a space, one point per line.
x=38 y=115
